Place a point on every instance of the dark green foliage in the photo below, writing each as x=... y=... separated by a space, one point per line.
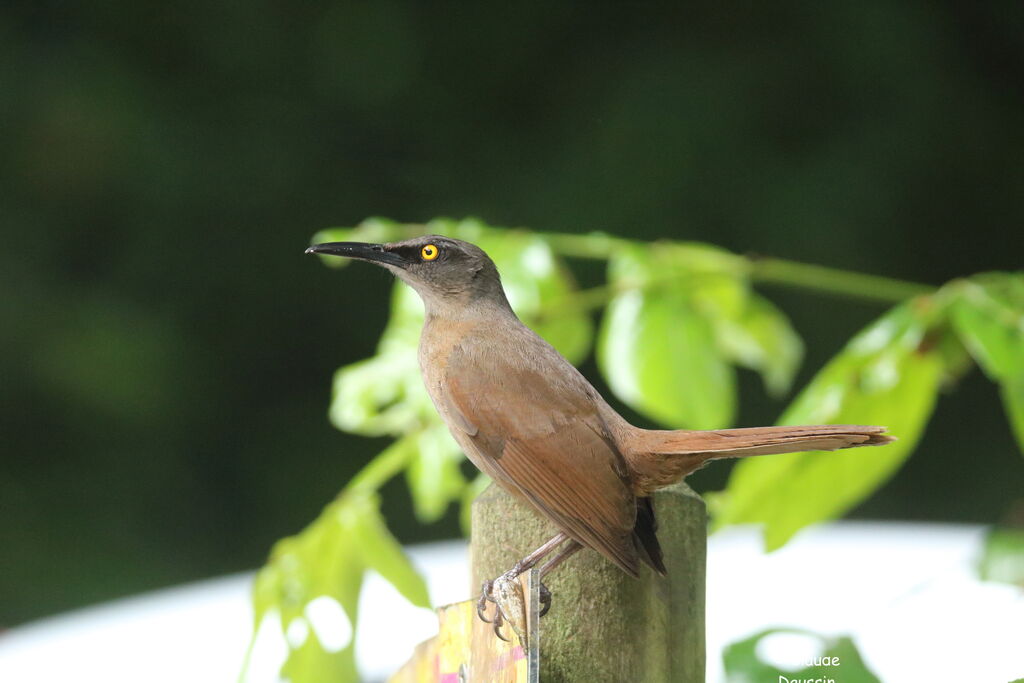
x=885 y=376
x=742 y=664
x=678 y=317
x=328 y=560
x=989 y=315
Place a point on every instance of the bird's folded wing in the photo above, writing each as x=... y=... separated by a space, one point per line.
x=547 y=440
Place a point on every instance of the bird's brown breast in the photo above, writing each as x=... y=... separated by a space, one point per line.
x=528 y=419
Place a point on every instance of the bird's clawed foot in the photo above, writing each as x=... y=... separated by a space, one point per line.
x=499 y=621
x=486 y=596
x=507 y=593
x=545 y=600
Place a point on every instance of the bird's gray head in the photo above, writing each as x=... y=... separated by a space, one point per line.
x=445 y=272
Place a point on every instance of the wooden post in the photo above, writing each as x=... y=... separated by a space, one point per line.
x=604 y=625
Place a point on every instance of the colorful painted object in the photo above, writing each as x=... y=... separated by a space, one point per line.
x=466 y=649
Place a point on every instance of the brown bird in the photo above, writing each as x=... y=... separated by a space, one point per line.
x=527 y=418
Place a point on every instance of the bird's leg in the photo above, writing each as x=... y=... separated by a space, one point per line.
x=525 y=564
x=563 y=554
x=531 y=560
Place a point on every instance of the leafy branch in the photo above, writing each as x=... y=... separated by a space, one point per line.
x=679 y=318
x=757 y=269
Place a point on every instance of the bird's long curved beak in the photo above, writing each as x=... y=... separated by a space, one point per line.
x=359 y=250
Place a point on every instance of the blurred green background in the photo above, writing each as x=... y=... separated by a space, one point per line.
x=166 y=350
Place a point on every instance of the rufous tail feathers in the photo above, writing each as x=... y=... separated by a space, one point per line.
x=660 y=458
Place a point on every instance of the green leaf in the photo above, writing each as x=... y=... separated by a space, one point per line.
x=382 y=553
x=302 y=568
x=535 y=280
x=989 y=317
x=405 y=322
x=658 y=353
x=384 y=394
x=434 y=477
x=743 y=665
x=328 y=559
x=749 y=330
x=319 y=566
x=381 y=395
x=759 y=336
x=1002 y=557
x=697 y=293
x=884 y=376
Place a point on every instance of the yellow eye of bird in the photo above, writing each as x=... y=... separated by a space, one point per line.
x=429 y=252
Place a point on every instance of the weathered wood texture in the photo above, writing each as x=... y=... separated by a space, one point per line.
x=603 y=624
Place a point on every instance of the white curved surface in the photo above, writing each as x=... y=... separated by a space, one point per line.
x=907 y=593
